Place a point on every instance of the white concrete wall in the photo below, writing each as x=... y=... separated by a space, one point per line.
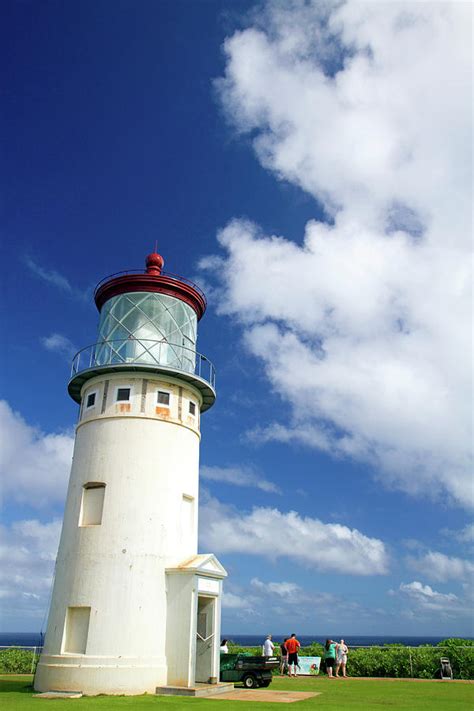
x=181 y=629
x=148 y=460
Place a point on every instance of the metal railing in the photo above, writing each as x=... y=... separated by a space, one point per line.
x=462 y=665
x=144 y=352
x=169 y=275
x=35 y=655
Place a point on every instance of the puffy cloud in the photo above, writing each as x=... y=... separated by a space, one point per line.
x=359 y=134
x=440 y=567
x=463 y=535
x=308 y=541
x=27 y=554
x=34 y=466
x=235 y=602
x=283 y=589
x=60 y=344
x=239 y=476
x=275 y=601
x=430 y=600
x=365 y=327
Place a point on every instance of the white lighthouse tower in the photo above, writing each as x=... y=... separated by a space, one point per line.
x=134 y=606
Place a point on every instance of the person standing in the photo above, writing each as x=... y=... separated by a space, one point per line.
x=330 y=656
x=283 y=657
x=292 y=645
x=341 y=657
x=224 y=649
x=268 y=647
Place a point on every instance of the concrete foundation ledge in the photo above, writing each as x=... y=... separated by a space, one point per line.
x=99 y=675
x=197 y=690
x=59 y=695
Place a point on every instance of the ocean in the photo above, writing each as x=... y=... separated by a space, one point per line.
x=33 y=639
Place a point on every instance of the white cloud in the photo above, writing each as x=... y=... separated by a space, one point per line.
x=431 y=600
x=276 y=603
x=60 y=344
x=49 y=275
x=463 y=535
x=234 y=602
x=283 y=589
x=27 y=553
x=365 y=328
x=54 y=278
x=239 y=476
x=308 y=541
x=34 y=466
x=440 y=567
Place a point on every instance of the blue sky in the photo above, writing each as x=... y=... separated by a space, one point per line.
x=297 y=161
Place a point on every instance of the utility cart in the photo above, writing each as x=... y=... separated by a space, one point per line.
x=250 y=671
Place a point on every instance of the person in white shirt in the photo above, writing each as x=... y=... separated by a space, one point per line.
x=268 y=647
x=224 y=648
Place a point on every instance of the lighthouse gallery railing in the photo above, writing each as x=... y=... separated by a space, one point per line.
x=169 y=275
x=144 y=352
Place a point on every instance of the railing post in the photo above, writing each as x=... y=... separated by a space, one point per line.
x=411 y=662
x=33 y=660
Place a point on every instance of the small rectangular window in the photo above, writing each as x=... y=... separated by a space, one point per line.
x=76 y=630
x=192 y=408
x=90 y=402
x=123 y=394
x=187 y=518
x=92 y=504
x=163 y=398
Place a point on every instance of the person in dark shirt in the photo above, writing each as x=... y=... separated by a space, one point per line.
x=284 y=657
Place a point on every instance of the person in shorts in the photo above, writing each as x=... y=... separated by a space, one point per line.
x=283 y=657
x=330 y=657
x=292 y=646
x=341 y=658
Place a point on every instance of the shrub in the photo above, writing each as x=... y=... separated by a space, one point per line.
x=17 y=661
x=237 y=649
x=313 y=650
x=398 y=661
x=462 y=660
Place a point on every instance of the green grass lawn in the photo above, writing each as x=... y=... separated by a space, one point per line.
x=16 y=694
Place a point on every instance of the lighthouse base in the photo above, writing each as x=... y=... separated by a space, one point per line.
x=100 y=675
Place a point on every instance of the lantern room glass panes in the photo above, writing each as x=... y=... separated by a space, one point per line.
x=147 y=328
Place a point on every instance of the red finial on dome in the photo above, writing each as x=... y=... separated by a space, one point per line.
x=154 y=263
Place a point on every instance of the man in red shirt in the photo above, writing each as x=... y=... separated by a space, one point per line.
x=292 y=645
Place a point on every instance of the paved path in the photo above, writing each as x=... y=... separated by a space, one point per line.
x=283 y=697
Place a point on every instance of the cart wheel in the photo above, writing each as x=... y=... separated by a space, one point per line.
x=249 y=681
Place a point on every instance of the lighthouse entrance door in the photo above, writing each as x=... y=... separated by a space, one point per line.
x=205 y=632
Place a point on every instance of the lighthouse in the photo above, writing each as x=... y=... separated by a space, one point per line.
x=134 y=606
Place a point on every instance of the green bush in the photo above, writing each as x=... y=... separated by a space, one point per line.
x=421 y=662
x=397 y=661
x=462 y=660
x=313 y=650
x=17 y=661
x=236 y=649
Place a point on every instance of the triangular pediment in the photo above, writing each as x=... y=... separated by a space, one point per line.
x=204 y=563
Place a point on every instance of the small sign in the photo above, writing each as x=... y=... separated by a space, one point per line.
x=308 y=665
x=209 y=586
